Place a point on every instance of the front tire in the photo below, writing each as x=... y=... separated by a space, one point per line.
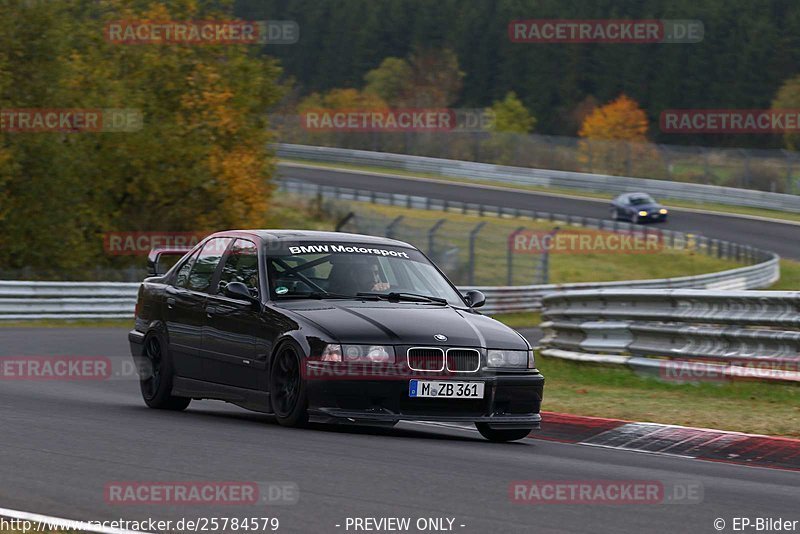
x=502 y=435
x=287 y=389
x=156 y=387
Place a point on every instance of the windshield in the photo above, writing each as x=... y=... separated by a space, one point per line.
x=642 y=199
x=329 y=270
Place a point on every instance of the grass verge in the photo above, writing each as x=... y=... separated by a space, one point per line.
x=605 y=391
x=519 y=320
x=790 y=277
x=492 y=242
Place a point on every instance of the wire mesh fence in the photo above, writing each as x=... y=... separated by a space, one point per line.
x=469 y=254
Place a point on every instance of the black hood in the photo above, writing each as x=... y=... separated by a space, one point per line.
x=404 y=324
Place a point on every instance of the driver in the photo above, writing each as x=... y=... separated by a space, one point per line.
x=356 y=275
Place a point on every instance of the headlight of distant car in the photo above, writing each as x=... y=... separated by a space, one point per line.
x=519 y=359
x=642 y=213
x=662 y=211
x=358 y=353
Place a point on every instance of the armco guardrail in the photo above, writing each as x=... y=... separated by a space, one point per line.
x=20 y=300
x=679 y=335
x=600 y=183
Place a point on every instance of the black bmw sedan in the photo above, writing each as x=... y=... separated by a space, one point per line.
x=638 y=208
x=330 y=327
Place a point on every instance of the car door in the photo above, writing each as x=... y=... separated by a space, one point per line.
x=186 y=308
x=234 y=328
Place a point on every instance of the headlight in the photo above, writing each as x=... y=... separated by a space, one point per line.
x=357 y=353
x=368 y=353
x=332 y=353
x=509 y=358
x=642 y=213
x=662 y=211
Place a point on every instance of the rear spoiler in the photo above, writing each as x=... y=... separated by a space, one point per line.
x=155 y=255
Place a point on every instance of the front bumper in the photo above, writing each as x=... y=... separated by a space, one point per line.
x=510 y=401
x=653 y=217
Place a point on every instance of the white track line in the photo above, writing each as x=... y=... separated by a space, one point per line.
x=51 y=521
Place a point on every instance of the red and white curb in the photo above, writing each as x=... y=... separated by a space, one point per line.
x=699 y=443
x=669 y=440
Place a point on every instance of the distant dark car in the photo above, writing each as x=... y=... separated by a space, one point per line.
x=329 y=327
x=637 y=208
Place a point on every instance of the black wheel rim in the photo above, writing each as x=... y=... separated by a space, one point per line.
x=286 y=382
x=151 y=382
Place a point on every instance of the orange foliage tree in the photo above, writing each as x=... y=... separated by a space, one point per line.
x=614 y=136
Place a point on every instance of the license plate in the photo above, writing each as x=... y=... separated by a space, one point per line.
x=446 y=389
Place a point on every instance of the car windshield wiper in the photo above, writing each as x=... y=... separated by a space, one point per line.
x=410 y=297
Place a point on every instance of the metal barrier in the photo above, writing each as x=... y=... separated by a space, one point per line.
x=599 y=183
x=67 y=300
x=679 y=335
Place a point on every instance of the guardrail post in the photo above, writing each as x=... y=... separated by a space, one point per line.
x=472 y=236
x=432 y=235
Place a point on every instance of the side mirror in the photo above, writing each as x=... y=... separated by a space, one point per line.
x=156 y=266
x=239 y=291
x=475 y=299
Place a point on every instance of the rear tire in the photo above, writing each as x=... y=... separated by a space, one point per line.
x=156 y=387
x=502 y=435
x=287 y=389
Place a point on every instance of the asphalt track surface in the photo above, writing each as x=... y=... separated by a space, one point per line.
x=777 y=237
x=62 y=442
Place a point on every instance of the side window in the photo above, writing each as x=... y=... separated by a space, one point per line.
x=206 y=263
x=183 y=273
x=241 y=266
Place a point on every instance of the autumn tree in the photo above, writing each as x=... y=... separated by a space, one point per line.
x=511 y=121
x=788 y=97
x=511 y=115
x=342 y=99
x=428 y=78
x=621 y=119
x=200 y=161
x=389 y=81
x=614 y=135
